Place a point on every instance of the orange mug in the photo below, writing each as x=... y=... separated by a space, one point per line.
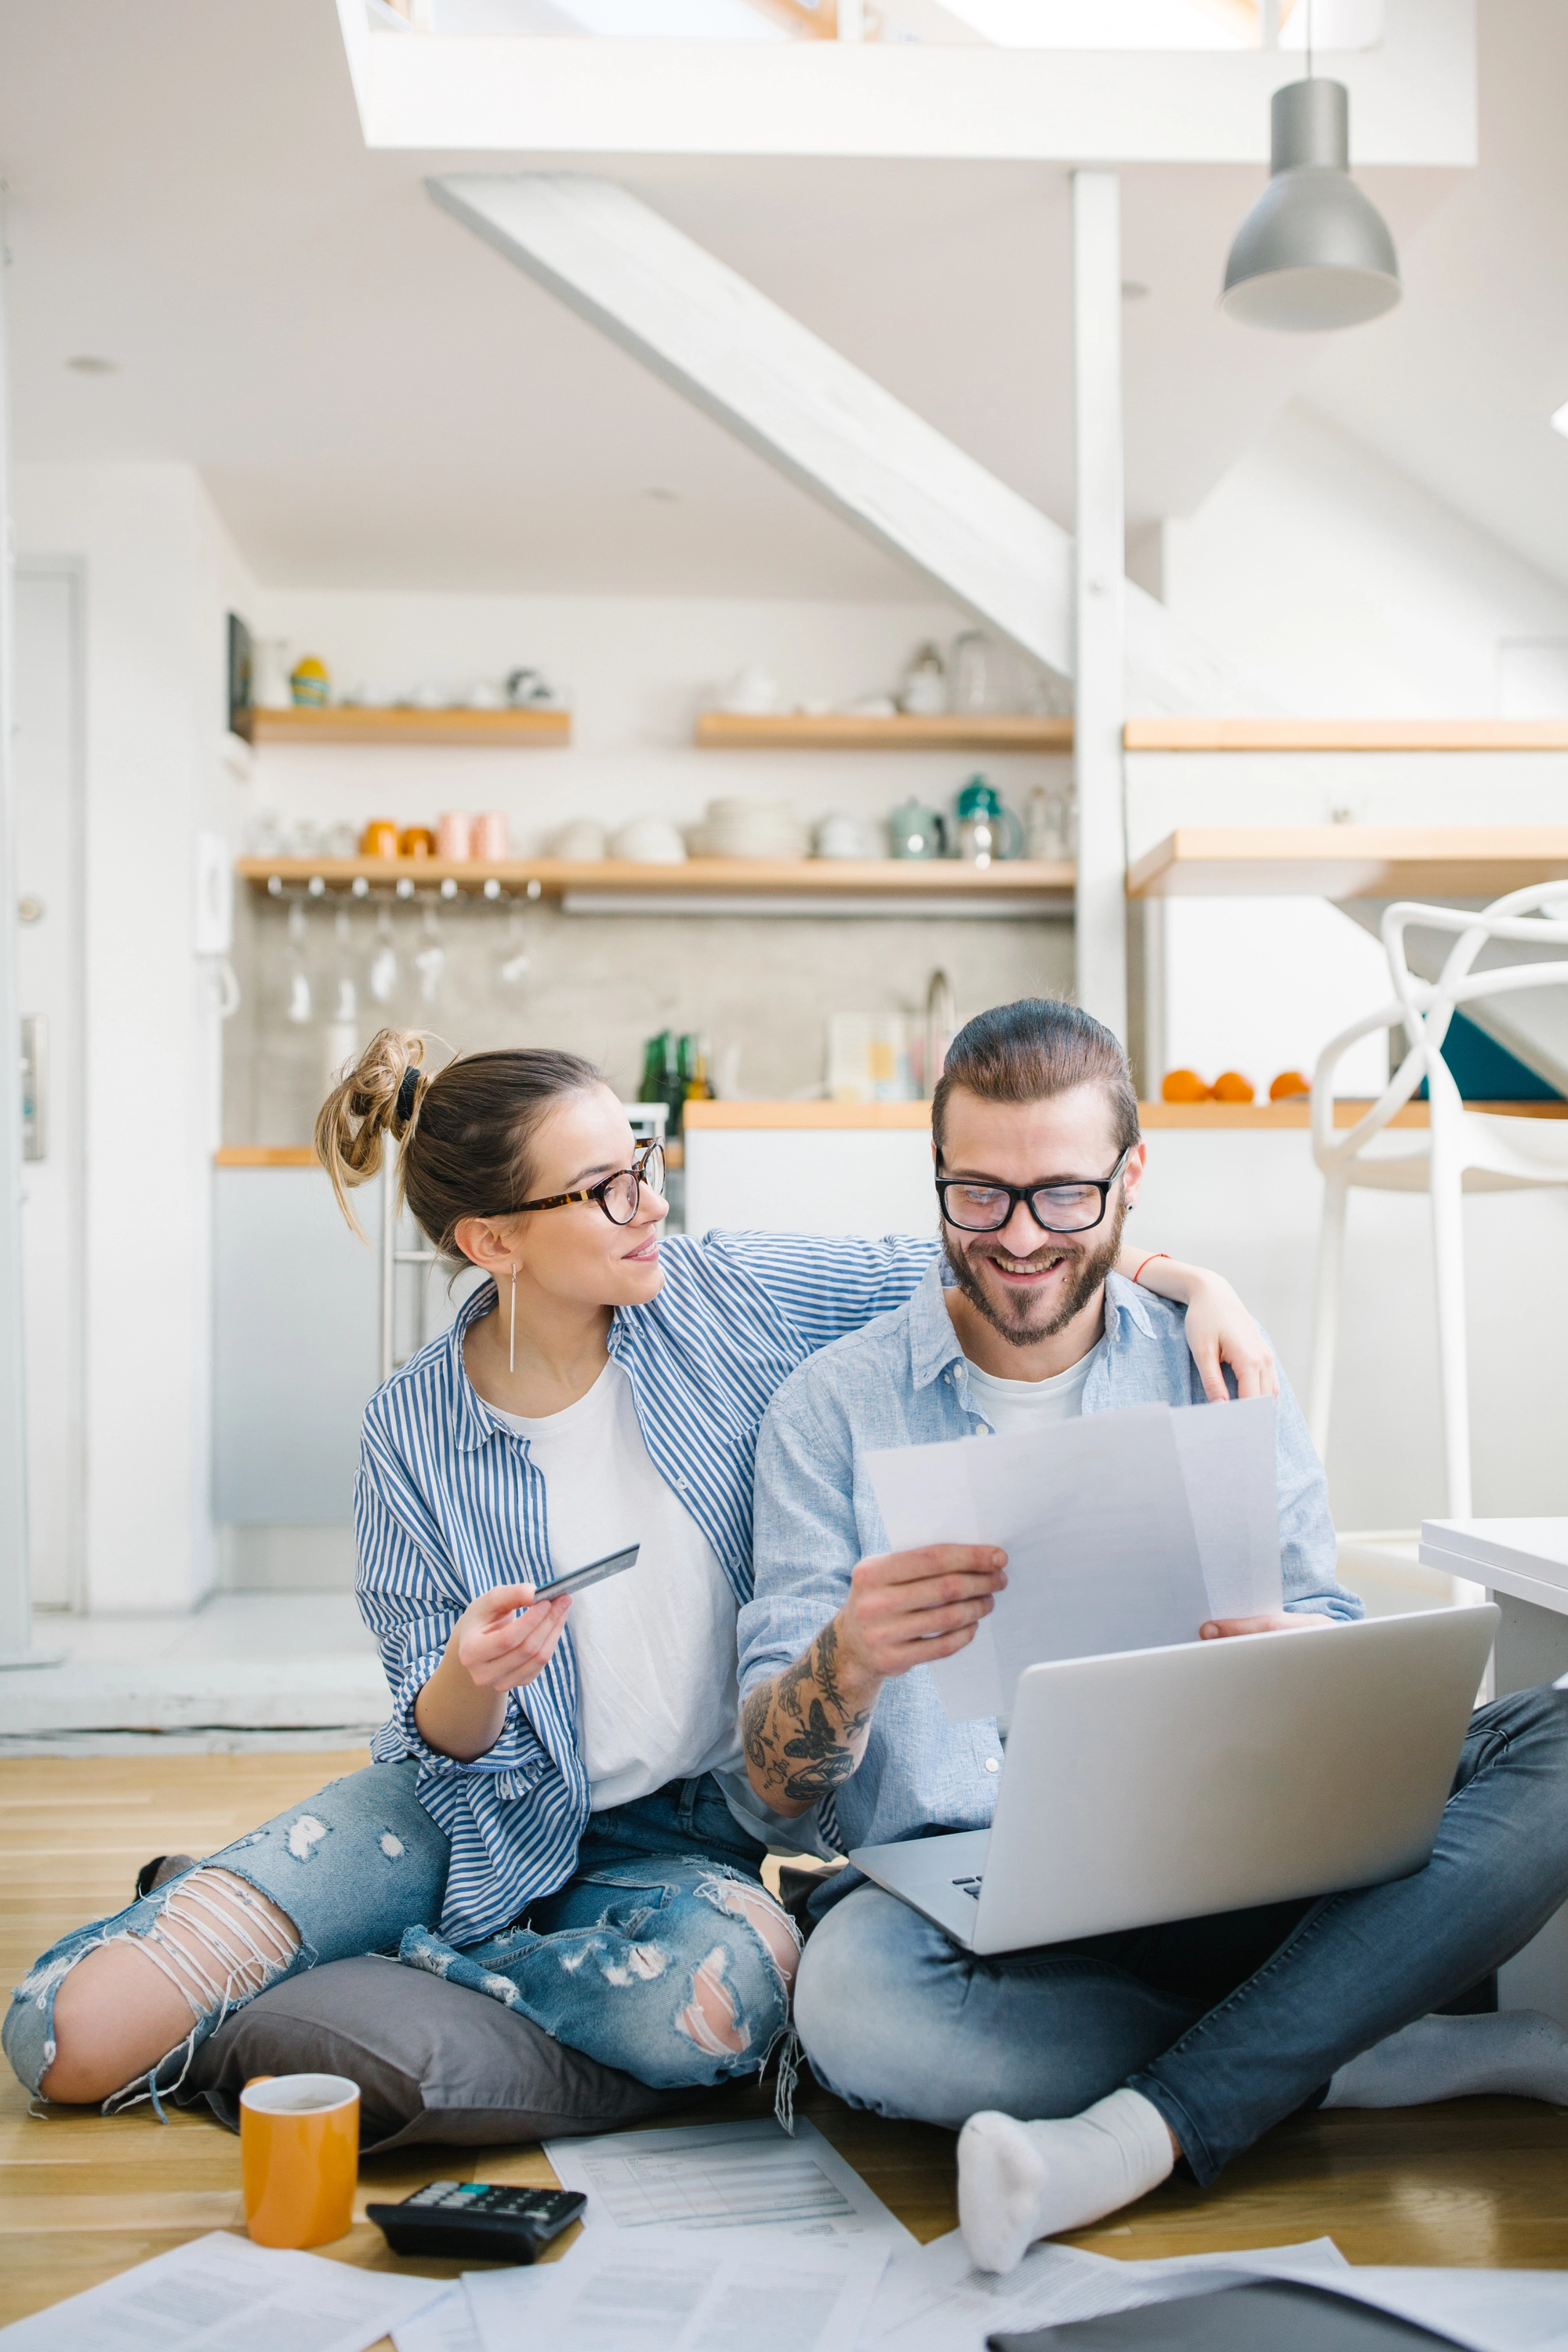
x=298 y=2152
x=379 y=838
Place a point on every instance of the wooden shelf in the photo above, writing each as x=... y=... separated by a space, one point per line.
x=1187 y=734
x=1256 y=1117
x=340 y=723
x=801 y=730
x=823 y=878
x=1350 y=861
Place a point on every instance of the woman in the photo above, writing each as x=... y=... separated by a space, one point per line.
x=561 y=1818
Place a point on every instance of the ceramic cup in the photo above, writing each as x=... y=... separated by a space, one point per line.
x=455 y=835
x=492 y=842
x=849 y=836
x=379 y=838
x=298 y=2151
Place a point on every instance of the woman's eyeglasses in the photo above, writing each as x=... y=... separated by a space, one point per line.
x=1070 y=1208
x=618 y=1195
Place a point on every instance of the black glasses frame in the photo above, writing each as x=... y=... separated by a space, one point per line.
x=647 y=1167
x=1028 y=1194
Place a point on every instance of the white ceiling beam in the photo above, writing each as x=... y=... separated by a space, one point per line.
x=1413 y=97
x=820 y=420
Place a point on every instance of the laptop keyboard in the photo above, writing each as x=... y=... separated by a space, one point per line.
x=970 y=1887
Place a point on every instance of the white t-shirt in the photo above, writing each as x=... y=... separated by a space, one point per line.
x=1012 y=1407
x=656 y=1695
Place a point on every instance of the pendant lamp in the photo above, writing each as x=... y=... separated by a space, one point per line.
x=1314 y=252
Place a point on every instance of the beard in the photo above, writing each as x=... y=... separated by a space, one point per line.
x=1085 y=1271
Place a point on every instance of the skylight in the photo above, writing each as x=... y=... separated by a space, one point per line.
x=1104 y=24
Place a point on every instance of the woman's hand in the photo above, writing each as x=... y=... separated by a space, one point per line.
x=1220 y=1330
x=499 y=1649
x=500 y=1643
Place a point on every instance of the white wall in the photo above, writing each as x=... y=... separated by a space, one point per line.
x=637 y=670
x=1347 y=591
x=159 y=571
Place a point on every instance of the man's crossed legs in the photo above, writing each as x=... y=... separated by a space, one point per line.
x=1193 y=2038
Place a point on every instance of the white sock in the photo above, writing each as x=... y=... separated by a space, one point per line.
x=1518 y=2052
x=1017 y=2182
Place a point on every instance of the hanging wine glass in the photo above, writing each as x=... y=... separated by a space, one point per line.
x=431 y=961
x=384 y=962
x=515 y=961
x=300 y=1006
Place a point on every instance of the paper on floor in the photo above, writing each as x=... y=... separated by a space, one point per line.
x=683 y=2291
x=933 y=2301
x=723 y=2177
x=220 y=2293
x=445 y=2325
x=1123 y=1530
x=1486 y=2311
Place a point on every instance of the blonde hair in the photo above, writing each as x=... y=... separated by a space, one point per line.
x=463 y=1132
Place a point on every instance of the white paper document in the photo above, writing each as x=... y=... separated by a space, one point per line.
x=445 y=2325
x=221 y=2293
x=680 y=2290
x=747 y=2176
x=1123 y=1530
x=933 y=2301
x=1486 y=2311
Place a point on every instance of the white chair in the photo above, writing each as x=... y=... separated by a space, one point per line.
x=1460 y=1151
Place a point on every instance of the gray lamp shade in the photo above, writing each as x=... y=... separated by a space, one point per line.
x=1314 y=252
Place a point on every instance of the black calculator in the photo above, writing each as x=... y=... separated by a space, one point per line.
x=465 y=2220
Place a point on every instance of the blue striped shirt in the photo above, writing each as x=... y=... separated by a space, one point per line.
x=448 y=1505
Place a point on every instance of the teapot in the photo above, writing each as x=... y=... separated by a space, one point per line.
x=986 y=830
x=916 y=831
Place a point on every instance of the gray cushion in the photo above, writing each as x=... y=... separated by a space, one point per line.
x=434 y=2062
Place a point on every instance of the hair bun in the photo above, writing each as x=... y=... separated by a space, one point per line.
x=364 y=1107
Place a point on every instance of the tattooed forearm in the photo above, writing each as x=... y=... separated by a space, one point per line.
x=804 y=1732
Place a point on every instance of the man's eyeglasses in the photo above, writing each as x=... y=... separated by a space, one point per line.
x=618 y=1195
x=1075 y=1205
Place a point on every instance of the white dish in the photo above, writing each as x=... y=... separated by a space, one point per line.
x=582 y=840
x=648 y=841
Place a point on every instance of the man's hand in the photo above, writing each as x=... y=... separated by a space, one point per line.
x=910 y=1608
x=1281 y=1621
x=805 y=1731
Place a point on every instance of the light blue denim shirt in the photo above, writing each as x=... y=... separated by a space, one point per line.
x=902 y=1381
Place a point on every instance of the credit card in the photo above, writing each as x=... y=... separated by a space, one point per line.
x=614 y=1564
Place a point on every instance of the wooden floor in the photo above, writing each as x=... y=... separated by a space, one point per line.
x=83 y=2196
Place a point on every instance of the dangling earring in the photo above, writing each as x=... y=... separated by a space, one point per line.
x=512 y=1327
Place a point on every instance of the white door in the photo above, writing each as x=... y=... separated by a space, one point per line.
x=47 y=772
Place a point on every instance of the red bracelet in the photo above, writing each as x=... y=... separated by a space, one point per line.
x=1149 y=1260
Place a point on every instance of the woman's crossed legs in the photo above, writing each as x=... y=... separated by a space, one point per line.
x=116 y=2009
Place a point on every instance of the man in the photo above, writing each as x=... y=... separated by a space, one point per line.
x=1081 y=2073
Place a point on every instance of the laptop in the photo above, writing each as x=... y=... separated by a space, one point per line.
x=1210 y=1776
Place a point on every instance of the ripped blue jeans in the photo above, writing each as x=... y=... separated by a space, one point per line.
x=607 y=1964
x=614 y=1963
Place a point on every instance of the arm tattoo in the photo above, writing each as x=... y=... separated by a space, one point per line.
x=803 y=1737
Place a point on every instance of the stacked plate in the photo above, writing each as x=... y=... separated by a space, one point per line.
x=738 y=828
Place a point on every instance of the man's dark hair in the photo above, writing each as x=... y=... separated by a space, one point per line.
x=1027 y=1052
